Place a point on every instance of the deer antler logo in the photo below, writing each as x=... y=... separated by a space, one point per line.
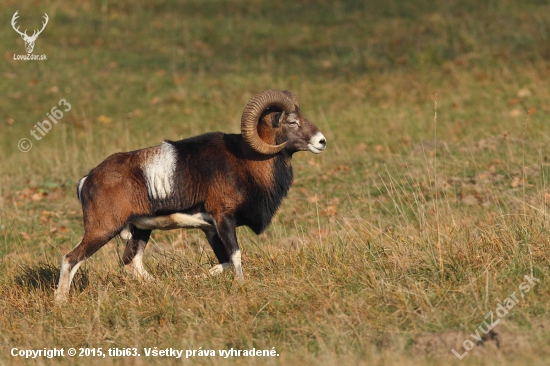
x=29 y=41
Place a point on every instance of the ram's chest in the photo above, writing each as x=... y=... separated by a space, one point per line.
x=262 y=204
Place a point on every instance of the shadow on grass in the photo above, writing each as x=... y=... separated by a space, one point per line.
x=44 y=276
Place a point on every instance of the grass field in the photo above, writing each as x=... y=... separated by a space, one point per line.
x=427 y=210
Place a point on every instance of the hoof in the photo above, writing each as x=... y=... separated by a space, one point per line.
x=219 y=268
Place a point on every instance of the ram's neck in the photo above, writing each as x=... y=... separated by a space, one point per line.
x=264 y=201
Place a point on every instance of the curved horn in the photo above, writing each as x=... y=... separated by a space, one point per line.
x=292 y=97
x=251 y=114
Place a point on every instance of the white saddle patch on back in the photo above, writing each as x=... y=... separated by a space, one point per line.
x=174 y=221
x=159 y=172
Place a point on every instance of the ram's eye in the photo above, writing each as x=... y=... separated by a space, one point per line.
x=293 y=123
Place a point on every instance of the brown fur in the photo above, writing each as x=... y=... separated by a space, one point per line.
x=217 y=175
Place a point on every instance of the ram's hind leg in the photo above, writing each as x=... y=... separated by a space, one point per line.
x=133 y=254
x=89 y=244
x=220 y=252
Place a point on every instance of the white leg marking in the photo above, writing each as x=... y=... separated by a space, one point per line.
x=236 y=260
x=137 y=265
x=219 y=268
x=126 y=234
x=65 y=279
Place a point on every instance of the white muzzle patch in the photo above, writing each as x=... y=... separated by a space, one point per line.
x=317 y=143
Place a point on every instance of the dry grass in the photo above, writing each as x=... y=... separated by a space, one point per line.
x=392 y=245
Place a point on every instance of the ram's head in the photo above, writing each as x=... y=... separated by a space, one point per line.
x=272 y=121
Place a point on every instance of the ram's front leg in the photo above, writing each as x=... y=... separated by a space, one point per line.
x=219 y=250
x=226 y=231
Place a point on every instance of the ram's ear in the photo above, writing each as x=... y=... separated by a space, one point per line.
x=278 y=121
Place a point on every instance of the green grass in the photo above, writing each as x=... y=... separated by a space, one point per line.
x=393 y=244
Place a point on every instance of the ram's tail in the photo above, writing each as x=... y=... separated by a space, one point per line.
x=79 y=188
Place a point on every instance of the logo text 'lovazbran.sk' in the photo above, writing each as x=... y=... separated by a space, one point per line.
x=29 y=40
